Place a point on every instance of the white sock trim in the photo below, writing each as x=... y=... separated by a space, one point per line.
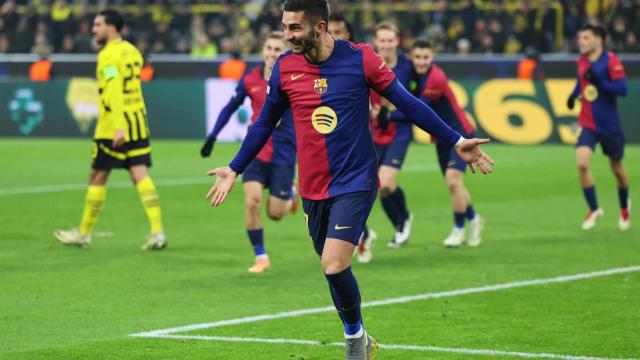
x=356 y=335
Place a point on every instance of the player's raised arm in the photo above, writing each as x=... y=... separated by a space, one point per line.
x=223 y=118
x=274 y=107
x=114 y=92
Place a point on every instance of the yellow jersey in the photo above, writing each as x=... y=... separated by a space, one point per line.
x=121 y=102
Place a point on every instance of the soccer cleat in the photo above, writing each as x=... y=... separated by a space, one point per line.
x=363 y=348
x=455 y=238
x=592 y=218
x=156 y=241
x=365 y=248
x=402 y=237
x=295 y=204
x=476 y=227
x=625 y=217
x=72 y=237
x=262 y=264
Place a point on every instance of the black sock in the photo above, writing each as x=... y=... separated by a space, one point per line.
x=623 y=196
x=346 y=298
x=401 y=204
x=392 y=211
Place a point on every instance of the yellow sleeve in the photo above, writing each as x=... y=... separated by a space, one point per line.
x=113 y=92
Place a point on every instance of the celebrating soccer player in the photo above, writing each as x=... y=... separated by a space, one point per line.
x=121 y=138
x=601 y=79
x=274 y=166
x=433 y=89
x=391 y=136
x=325 y=82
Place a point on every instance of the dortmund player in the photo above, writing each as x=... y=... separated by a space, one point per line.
x=121 y=138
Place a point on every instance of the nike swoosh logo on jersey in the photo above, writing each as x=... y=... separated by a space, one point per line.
x=296 y=76
x=338 y=227
x=381 y=65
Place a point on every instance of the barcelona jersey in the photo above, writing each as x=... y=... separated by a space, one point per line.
x=400 y=128
x=280 y=149
x=599 y=111
x=329 y=102
x=434 y=89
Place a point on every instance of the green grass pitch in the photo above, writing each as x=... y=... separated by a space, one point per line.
x=61 y=302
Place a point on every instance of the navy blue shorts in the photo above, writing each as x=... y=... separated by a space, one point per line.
x=448 y=158
x=340 y=217
x=278 y=179
x=393 y=154
x=612 y=144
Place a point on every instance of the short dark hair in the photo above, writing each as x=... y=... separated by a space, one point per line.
x=313 y=9
x=339 y=18
x=112 y=17
x=597 y=30
x=422 y=44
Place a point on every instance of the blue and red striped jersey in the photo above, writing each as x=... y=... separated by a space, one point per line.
x=329 y=102
x=400 y=128
x=599 y=111
x=434 y=89
x=280 y=149
x=330 y=106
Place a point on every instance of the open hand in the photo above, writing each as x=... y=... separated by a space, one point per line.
x=469 y=151
x=225 y=179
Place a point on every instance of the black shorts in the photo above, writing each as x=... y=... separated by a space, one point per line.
x=278 y=179
x=448 y=158
x=340 y=217
x=612 y=144
x=392 y=154
x=105 y=157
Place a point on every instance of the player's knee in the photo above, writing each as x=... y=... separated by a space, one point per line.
x=275 y=214
x=583 y=165
x=453 y=183
x=332 y=265
x=252 y=204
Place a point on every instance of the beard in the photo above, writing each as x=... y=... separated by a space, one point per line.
x=100 y=41
x=308 y=43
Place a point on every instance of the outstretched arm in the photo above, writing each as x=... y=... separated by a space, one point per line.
x=419 y=113
x=223 y=118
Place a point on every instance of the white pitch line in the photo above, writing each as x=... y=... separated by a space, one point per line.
x=163 y=182
x=463 y=351
x=397 y=300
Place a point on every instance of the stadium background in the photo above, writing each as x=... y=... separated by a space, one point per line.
x=66 y=303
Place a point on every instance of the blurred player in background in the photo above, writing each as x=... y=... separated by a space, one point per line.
x=274 y=167
x=325 y=83
x=392 y=134
x=433 y=89
x=601 y=79
x=121 y=138
x=339 y=28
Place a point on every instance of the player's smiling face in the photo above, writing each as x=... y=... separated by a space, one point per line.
x=271 y=50
x=299 y=32
x=99 y=30
x=421 y=59
x=386 y=42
